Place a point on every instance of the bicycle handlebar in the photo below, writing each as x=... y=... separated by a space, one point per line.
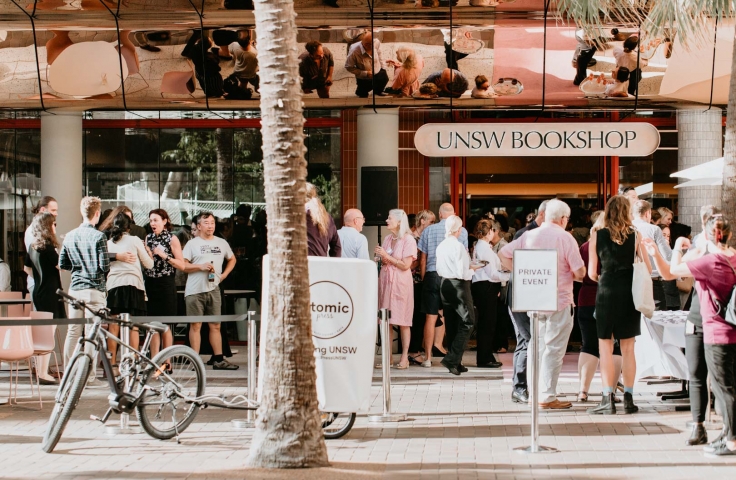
x=82 y=305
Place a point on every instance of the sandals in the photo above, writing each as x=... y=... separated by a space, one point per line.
x=413 y=360
x=583 y=397
x=399 y=366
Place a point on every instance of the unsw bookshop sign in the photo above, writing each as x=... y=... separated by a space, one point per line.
x=623 y=139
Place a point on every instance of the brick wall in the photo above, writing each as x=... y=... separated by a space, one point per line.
x=349 y=159
x=411 y=163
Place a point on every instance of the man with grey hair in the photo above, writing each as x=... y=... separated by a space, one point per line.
x=520 y=320
x=555 y=328
x=431 y=237
x=354 y=244
x=642 y=213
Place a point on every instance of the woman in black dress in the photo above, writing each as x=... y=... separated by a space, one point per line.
x=161 y=279
x=616 y=247
x=42 y=262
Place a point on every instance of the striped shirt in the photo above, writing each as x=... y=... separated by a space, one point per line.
x=84 y=253
x=431 y=237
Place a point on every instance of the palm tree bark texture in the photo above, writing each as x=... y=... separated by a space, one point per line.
x=288 y=430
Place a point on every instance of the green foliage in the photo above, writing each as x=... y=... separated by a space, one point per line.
x=329 y=193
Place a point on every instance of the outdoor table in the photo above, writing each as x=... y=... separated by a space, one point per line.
x=659 y=348
x=4 y=302
x=86 y=69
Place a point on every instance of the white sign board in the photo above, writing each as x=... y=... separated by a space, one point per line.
x=344 y=306
x=623 y=139
x=534 y=281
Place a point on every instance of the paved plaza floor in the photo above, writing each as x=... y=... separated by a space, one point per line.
x=464 y=427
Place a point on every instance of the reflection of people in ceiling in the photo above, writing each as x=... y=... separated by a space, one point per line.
x=449 y=37
x=628 y=57
x=407 y=71
x=450 y=83
x=206 y=64
x=583 y=57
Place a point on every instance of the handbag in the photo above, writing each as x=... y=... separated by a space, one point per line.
x=642 y=288
x=727 y=311
x=685 y=285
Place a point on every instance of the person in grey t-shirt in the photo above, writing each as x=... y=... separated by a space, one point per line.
x=354 y=244
x=205 y=256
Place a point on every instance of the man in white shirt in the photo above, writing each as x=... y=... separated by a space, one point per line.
x=453 y=266
x=205 y=256
x=365 y=61
x=354 y=244
x=4 y=276
x=643 y=225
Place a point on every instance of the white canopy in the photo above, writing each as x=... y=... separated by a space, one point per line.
x=705 y=174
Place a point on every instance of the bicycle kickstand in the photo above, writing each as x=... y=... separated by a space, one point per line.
x=176 y=424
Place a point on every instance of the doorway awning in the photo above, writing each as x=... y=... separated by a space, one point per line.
x=705 y=174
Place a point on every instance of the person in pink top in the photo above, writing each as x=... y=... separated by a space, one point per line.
x=407 y=71
x=555 y=331
x=395 y=283
x=715 y=274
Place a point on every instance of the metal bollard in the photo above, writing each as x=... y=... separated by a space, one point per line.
x=386 y=343
x=124 y=427
x=533 y=352
x=250 y=420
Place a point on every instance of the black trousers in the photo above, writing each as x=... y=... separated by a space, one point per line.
x=583 y=59
x=721 y=360
x=417 y=323
x=451 y=57
x=523 y=329
x=485 y=299
x=366 y=85
x=457 y=302
x=698 y=369
x=634 y=79
x=660 y=299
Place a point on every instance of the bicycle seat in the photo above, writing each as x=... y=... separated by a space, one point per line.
x=155 y=326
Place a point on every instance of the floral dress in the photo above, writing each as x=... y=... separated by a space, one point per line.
x=396 y=287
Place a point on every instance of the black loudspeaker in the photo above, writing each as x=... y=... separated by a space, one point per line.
x=379 y=193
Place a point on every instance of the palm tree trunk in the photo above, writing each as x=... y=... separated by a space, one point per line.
x=288 y=430
x=224 y=142
x=728 y=191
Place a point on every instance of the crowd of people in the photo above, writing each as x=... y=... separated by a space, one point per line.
x=126 y=268
x=365 y=61
x=441 y=283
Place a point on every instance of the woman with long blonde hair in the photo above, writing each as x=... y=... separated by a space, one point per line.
x=322 y=238
x=407 y=71
x=616 y=246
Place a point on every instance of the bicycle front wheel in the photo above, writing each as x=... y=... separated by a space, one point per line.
x=69 y=393
x=336 y=425
x=164 y=410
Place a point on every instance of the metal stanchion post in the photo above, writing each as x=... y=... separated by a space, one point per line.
x=386 y=343
x=250 y=420
x=533 y=352
x=124 y=427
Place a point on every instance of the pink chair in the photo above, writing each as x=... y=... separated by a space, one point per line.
x=16 y=345
x=180 y=83
x=13 y=310
x=130 y=56
x=44 y=341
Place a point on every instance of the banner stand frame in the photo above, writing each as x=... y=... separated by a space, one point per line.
x=386 y=343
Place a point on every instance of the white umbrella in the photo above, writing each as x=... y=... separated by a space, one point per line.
x=702 y=182
x=712 y=169
x=644 y=189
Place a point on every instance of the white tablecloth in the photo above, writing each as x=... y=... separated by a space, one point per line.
x=659 y=348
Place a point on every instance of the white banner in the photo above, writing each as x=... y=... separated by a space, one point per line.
x=344 y=307
x=534 y=281
x=623 y=139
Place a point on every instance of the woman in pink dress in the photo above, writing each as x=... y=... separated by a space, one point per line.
x=395 y=283
x=407 y=71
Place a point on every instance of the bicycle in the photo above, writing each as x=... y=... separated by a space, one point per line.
x=174 y=379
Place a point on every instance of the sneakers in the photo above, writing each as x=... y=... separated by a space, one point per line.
x=224 y=365
x=720 y=450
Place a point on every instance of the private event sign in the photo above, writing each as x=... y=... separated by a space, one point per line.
x=534 y=281
x=344 y=308
x=623 y=139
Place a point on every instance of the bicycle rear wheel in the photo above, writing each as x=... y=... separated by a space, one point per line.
x=336 y=425
x=163 y=411
x=69 y=393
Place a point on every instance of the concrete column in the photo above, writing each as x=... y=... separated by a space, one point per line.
x=62 y=141
x=699 y=140
x=378 y=146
